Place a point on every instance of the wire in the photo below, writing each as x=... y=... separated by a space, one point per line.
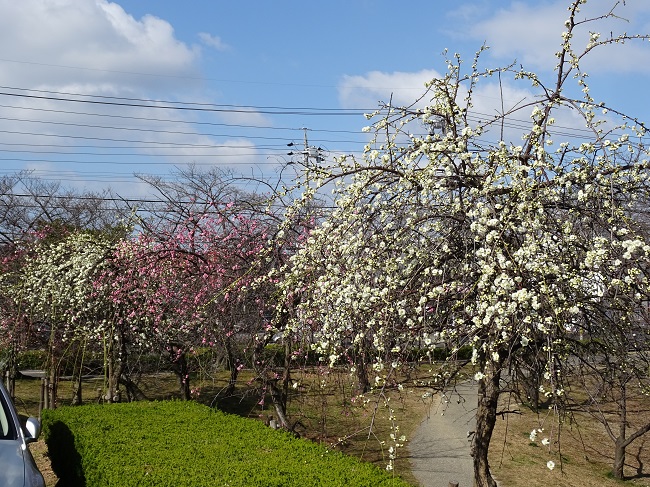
x=130 y=163
x=109 y=139
x=184 y=106
x=188 y=122
x=157 y=131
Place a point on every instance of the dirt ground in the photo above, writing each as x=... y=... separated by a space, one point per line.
x=39 y=452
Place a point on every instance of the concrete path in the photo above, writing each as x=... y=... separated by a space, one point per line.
x=440 y=449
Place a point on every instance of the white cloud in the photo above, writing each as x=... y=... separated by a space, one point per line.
x=530 y=33
x=368 y=90
x=214 y=42
x=93 y=41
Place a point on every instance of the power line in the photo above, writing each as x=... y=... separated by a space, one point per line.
x=181 y=121
x=130 y=163
x=136 y=154
x=156 y=131
x=183 y=106
x=109 y=139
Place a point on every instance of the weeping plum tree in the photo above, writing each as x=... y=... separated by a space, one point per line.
x=15 y=329
x=185 y=286
x=223 y=240
x=515 y=248
x=54 y=288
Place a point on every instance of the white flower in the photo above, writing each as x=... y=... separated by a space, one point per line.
x=479 y=376
x=550 y=464
x=545 y=442
x=533 y=434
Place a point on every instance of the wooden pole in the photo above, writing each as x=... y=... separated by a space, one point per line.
x=41 y=400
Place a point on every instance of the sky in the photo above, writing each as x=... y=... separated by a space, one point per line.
x=94 y=93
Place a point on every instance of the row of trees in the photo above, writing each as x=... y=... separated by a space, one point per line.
x=185 y=276
x=534 y=254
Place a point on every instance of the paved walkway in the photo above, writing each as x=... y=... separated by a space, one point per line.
x=440 y=448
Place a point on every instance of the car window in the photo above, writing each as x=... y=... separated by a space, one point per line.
x=7 y=431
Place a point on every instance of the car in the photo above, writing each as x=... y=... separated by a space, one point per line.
x=17 y=466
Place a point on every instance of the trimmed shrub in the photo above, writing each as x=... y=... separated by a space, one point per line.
x=31 y=359
x=184 y=443
x=464 y=352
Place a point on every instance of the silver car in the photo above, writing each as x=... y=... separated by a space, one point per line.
x=17 y=467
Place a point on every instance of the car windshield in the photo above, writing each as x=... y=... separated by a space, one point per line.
x=7 y=430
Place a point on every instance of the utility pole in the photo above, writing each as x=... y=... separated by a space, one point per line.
x=309 y=152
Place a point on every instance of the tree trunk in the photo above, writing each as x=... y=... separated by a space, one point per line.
x=233 y=365
x=133 y=392
x=11 y=373
x=621 y=442
x=362 y=367
x=286 y=375
x=77 y=398
x=77 y=373
x=232 y=381
x=114 y=371
x=52 y=374
x=619 y=458
x=279 y=405
x=52 y=386
x=279 y=389
x=109 y=364
x=184 y=376
x=51 y=371
x=486 y=413
x=181 y=369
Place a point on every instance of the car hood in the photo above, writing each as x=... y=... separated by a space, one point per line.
x=12 y=463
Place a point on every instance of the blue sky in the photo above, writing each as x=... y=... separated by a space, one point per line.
x=246 y=65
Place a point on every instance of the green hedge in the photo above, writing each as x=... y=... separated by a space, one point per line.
x=31 y=359
x=186 y=444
